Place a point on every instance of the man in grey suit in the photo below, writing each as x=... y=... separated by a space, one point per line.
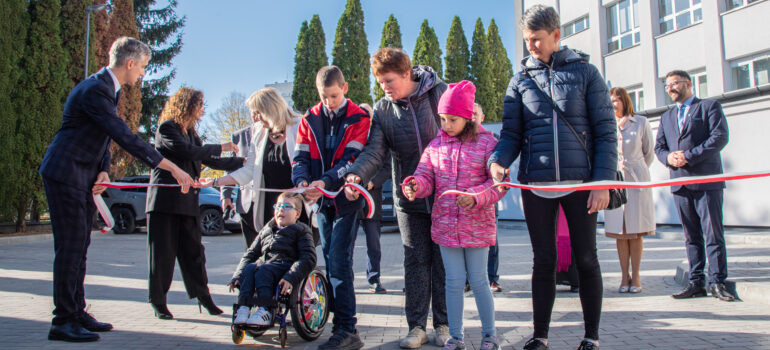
x=243 y=204
x=690 y=137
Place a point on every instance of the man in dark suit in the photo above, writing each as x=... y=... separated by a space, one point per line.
x=76 y=160
x=243 y=202
x=690 y=137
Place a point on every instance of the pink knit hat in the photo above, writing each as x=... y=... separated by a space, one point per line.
x=458 y=99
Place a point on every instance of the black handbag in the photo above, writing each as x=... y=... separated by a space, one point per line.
x=618 y=196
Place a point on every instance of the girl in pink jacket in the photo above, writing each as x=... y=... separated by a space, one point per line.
x=463 y=226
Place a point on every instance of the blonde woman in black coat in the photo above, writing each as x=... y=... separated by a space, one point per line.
x=173 y=217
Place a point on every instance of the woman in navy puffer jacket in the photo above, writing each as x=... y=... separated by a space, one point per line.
x=550 y=153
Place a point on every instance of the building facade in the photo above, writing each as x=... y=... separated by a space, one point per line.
x=722 y=44
x=285 y=90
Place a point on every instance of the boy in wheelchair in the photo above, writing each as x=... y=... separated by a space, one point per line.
x=283 y=254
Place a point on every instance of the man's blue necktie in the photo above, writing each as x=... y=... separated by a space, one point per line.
x=681 y=117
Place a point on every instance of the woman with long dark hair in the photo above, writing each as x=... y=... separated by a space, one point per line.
x=173 y=218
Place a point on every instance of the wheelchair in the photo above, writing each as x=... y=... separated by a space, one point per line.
x=308 y=306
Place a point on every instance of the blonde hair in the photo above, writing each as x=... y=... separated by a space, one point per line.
x=182 y=108
x=273 y=108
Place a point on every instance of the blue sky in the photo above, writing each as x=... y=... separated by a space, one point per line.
x=241 y=45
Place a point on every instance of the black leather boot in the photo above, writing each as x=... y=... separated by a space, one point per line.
x=206 y=302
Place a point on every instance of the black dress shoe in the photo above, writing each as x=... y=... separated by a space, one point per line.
x=71 y=331
x=90 y=323
x=719 y=290
x=161 y=312
x=588 y=345
x=534 y=344
x=691 y=291
x=206 y=302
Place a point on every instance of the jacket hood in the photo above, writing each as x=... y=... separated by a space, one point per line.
x=426 y=79
x=563 y=56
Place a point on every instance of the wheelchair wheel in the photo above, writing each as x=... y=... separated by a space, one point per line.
x=283 y=335
x=310 y=313
x=238 y=335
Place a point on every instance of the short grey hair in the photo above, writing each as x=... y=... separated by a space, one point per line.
x=125 y=49
x=540 y=17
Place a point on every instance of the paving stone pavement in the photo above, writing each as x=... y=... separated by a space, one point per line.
x=116 y=290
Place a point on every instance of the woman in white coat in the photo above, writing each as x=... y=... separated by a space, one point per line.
x=636 y=218
x=268 y=162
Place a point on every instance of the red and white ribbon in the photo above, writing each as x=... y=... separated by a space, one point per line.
x=605 y=185
x=104 y=211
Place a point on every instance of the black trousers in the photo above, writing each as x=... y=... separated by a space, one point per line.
x=170 y=237
x=72 y=211
x=247 y=226
x=701 y=214
x=541 y=215
x=424 y=276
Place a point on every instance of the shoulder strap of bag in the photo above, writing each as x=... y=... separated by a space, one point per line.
x=558 y=110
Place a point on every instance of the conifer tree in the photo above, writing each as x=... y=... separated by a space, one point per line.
x=161 y=29
x=427 y=50
x=301 y=68
x=457 y=54
x=501 y=73
x=391 y=37
x=122 y=22
x=73 y=23
x=480 y=73
x=351 y=52
x=14 y=22
x=40 y=93
x=316 y=43
x=313 y=49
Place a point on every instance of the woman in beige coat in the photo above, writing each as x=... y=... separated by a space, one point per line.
x=636 y=218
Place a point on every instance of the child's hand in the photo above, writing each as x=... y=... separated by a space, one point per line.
x=312 y=193
x=466 y=202
x=410 y=190
x=285 y=286
x=232 y=285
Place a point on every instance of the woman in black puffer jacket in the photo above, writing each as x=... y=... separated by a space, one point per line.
x=404 y=122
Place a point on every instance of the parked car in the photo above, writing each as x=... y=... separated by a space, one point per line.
x=128 y=208
x=388 y=209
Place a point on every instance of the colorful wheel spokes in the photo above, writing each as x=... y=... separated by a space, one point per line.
x=313 y=302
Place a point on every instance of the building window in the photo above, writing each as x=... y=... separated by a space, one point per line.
x=752 y=72
x=623 y=25
x=731 y=4
x=575 y=27
x=676 y=14
x=637 y=98
x=700 y=85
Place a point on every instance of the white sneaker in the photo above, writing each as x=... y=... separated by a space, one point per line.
x=260 y=318
x=241 y=315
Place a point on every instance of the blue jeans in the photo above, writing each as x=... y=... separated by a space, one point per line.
x=337 y=236
x=373 y=250
x=263 y=280
x=460 y=263
x=493 y=262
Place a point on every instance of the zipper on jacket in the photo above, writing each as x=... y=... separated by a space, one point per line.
x=320 y=154
x=555 y=125
x=419 y=141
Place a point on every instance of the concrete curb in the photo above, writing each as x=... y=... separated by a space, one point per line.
x=34 y=238
x=745 y=291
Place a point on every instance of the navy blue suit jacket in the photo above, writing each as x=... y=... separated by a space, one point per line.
x=81 y=147
x=704 y=135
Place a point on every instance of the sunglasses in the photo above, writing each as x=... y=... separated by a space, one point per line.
x=283 y=206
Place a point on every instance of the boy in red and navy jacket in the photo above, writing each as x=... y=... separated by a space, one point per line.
x=331 y=135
